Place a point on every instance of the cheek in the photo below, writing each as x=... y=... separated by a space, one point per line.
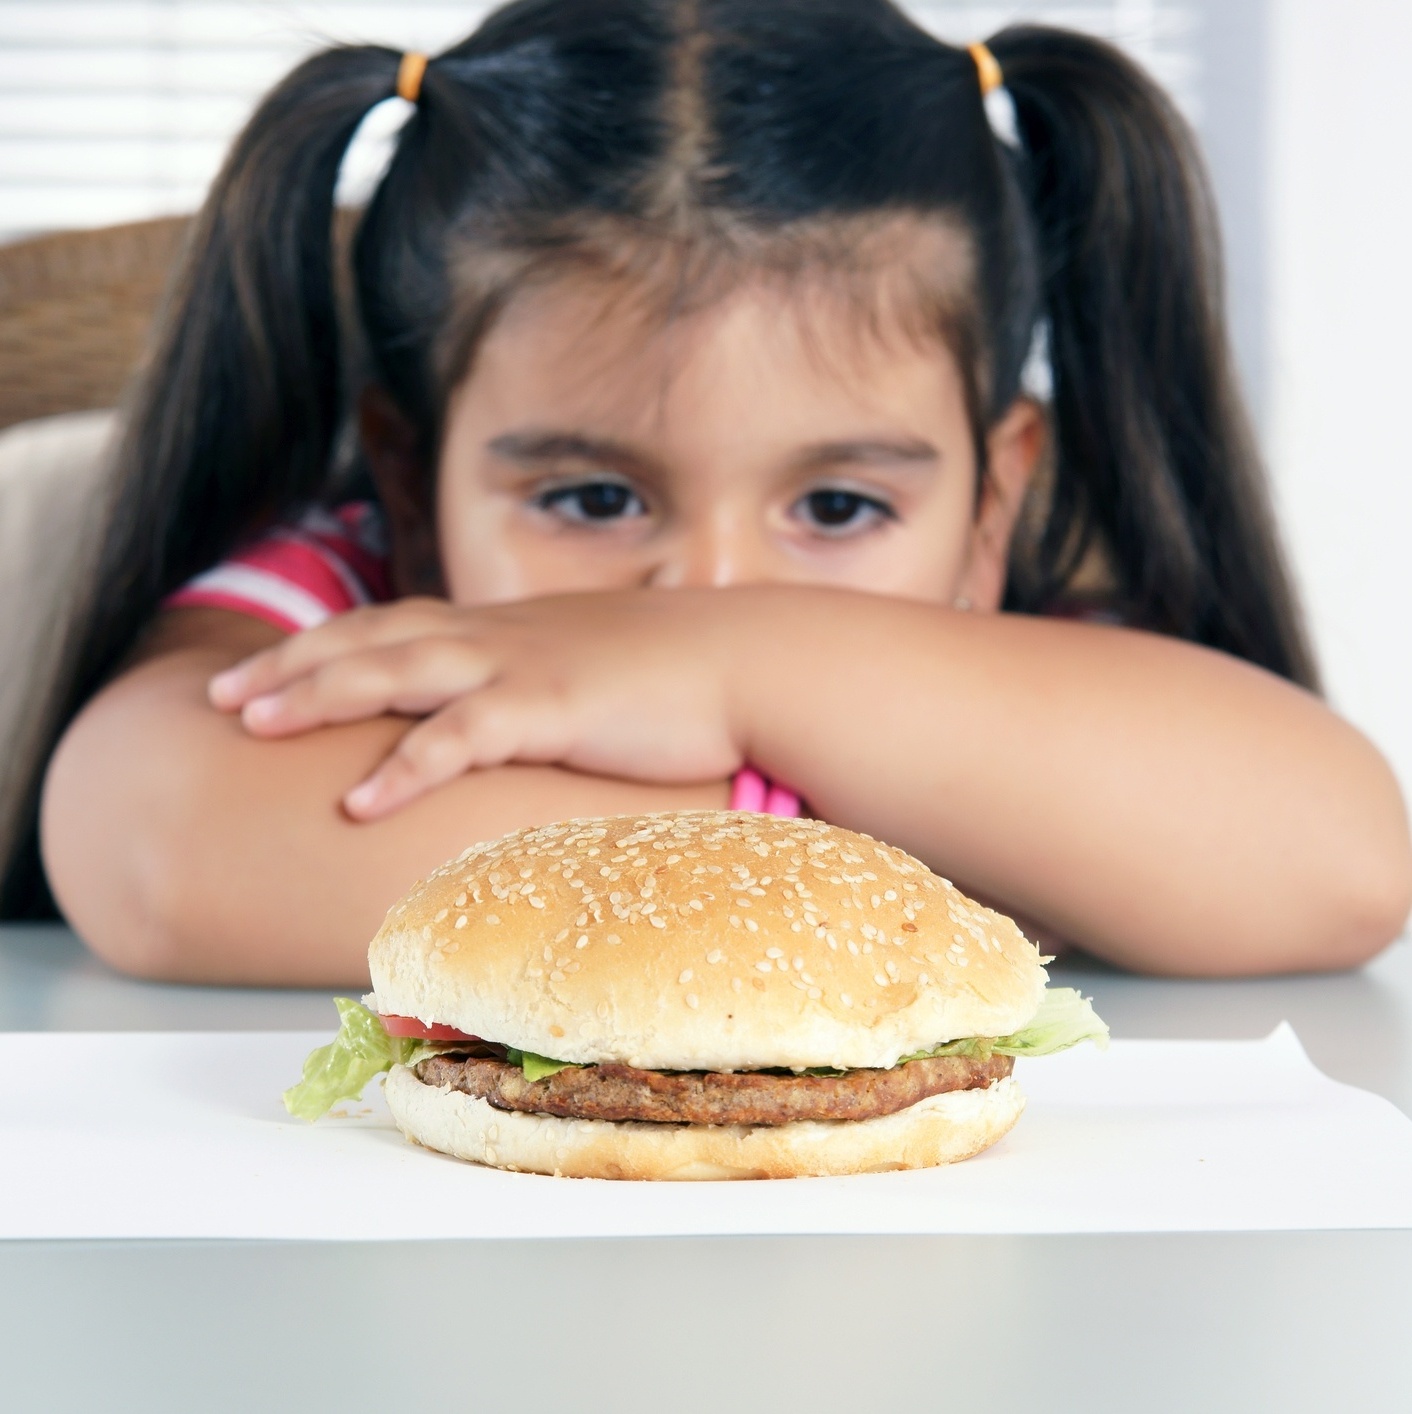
x=479 y=559
x=907 y=563
x=494 y=552
x=925 y=556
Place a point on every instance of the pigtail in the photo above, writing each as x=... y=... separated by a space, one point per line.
x=1155 y=463
x=234 y=420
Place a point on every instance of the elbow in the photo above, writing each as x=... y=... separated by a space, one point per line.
x=1364 y=875
x=1374 y=899
x=113 y=863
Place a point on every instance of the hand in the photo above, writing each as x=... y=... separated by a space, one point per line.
x=628 y=684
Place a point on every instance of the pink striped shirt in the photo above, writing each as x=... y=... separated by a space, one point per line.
x=329 y=561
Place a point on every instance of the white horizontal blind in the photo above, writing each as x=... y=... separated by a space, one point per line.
x=116 y=110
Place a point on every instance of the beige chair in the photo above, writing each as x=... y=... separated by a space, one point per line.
x=75 y=310
x=53 y=482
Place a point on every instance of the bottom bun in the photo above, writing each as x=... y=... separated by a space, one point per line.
x=937 y=1130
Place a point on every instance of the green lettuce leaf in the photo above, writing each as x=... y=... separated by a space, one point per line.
x=340 y=1070
x=535 y=1067
x=363 y=1049
x=1064 y=1019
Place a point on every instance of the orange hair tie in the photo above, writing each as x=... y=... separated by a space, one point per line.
x=987 y=68
x=410 y=71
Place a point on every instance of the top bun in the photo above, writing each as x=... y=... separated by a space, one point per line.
x=703 y=940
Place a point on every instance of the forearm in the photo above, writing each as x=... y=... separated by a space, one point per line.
x=1166 y=807
x=179 y=847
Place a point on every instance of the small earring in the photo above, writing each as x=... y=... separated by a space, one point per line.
x=961 y=602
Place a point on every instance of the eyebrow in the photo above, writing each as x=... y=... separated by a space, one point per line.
x=879 y=451
x=532 y=448
x=536 y=447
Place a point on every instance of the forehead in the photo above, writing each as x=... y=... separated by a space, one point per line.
x=840 y=306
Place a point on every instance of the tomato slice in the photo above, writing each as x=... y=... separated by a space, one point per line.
x=410 y=1026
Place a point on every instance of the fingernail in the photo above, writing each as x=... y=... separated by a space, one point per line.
x=225 y=687
x=260 y=711
x=361 y=798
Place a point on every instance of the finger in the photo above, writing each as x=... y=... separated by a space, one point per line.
x=484 y=729
x=413 y=678
x=367 y=627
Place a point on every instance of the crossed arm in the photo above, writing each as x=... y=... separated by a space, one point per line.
x=1160 y=805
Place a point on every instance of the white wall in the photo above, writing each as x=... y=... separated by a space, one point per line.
x=1340 y=394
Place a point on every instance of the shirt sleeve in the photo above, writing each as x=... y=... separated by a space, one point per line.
x=298 y=576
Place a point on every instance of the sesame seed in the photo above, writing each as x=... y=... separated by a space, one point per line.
x=715 y=955
x=492 y=918
x=556 y=976
x=612 y=938
x=692 y=1000
x=685 y=976
x=845 y=999
x=799 y=964
x=752 y=925
x=774 y=952
x=764 y=966
x=582 y=941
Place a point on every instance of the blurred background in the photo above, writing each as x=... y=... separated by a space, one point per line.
x=116 y=111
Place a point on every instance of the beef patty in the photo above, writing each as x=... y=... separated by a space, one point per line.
x=621 y=1092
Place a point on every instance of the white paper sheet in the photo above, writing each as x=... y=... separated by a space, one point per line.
x=183 y=1135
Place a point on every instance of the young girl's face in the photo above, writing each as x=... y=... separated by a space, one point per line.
x=750 y=443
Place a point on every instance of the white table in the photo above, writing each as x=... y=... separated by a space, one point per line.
x=1138 y=1324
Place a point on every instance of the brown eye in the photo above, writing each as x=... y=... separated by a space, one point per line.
x=834 y=509
x=593 y=501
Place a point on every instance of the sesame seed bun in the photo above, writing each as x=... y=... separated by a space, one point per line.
x=939 y=1130
x=702 y=940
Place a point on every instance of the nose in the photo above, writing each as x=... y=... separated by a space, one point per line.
x=715 y=554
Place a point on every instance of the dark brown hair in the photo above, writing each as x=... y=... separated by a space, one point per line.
x=713 y=121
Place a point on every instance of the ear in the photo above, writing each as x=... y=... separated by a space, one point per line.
x=407 y=491
x=1013 y=449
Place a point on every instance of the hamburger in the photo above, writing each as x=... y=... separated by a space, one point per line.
x=696 y=995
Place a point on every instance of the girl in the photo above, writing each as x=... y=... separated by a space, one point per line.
x=898 y=365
